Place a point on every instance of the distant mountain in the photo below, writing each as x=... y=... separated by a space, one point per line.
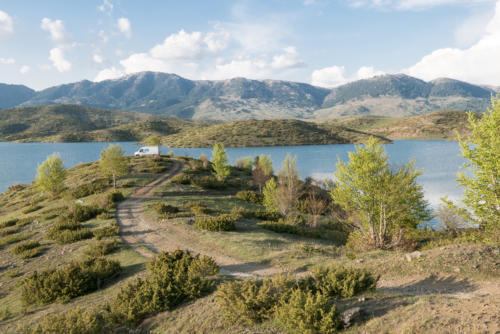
x=240 y=98
x=13 y=95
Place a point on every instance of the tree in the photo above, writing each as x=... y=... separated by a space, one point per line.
x=270 y=191
x=51 y=174
x=154 y=141
x=385 y=200
x=289 y=186
x=263 y=170
x=220 y=162
x=113 y=163
x=317 y=204
x=481 y=173
x=245 y=163
x=204 y=161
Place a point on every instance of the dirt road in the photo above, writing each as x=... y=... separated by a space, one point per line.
x=149 y=236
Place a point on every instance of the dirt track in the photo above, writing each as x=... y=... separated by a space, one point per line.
x=148 y=236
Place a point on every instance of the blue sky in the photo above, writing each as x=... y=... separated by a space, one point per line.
x=323 y=42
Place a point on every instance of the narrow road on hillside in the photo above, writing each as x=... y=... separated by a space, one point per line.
x=149 y=236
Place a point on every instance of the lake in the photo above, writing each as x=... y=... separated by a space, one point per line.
x=438 y=159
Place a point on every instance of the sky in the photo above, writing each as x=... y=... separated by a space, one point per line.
x=322 y=42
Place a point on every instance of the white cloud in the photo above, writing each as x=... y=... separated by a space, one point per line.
x=335 y=75
x=181 y=45
x=248 y=68
x=124 y=26
x=108 y=73
x=24 y=69
x=56 y=30
x=477 y=64
x=7 y=61
x=217 y=41
x=6 y=24
x=106 y=7
x=58 y=60
x=289 y=59
x=412 y=4
x=98 y=58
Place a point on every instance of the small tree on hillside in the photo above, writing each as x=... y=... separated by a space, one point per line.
x=289 y=186
x=51 y=174
x=384 y=200
x=204 y=160
x=154 y=141
x=113 y=163
x=263 y=170
x=270 y=195
x=316 y=204
x=220 y=162
x=481 y=174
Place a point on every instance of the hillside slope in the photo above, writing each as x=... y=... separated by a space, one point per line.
x=13 y=95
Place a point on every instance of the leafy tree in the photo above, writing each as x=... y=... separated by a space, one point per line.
x=113 y=162
x=220 y=162
x=385 y=200
x=262 y=171
x=246 y=163
x=154 y=141
x=481 y=174
x=289 y=186
x=51 y=174
x=270 y=191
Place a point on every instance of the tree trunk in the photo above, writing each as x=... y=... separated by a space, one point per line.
x=114 y=181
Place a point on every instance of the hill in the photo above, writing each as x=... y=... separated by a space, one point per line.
x=13 y=95
x=240 y=99
x=265 y=133
x=37 y=123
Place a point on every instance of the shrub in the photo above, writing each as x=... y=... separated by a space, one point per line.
x=9 y=231
x=115 y=196
x=308 y=313
x=81 y=213
x=224 y=222
x=343 y=282
x=12 y=239
x=266 y=215
x=250 y=196
x=279 y=227
x=90 y=188
x=65 y=232
x=208 y=182
x=32 y=209
x=75 y=321
x=70 y=281
x=181 y=179
x=172 y=278
x=164 y=209
x=253 y=300
x=100 y=248
x=197 y=208
x=28 y=249
x=106 y=231
x=10 y=222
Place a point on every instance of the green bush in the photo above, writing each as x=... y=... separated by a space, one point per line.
x=100 y=248
x=75 y=321
x=279 y=227
x=10 y=222
x=343 y=282
x=106 y=231
x=224 y=222
x=28 y=249
x=115 y=196
x=164 y=209
x=91 y=188
x=266 y=215
x=208 y=182
x=181 y=179
x=65 y=232
x=172 y=278
x=32 y=209
x=253 y=300
x=196 y=207
x=9 y=231
x=249 y=196
x=12 y=239
x=308 y=313
x=73 y=280
x=81 y=213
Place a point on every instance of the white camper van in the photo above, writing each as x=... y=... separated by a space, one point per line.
x=148 y=151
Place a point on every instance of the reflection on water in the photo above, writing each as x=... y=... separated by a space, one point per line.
x=438 y=159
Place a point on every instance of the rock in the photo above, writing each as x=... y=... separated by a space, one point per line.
x=350 y=316
x=413 y=255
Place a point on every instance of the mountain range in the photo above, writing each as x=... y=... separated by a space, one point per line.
x=239 y=98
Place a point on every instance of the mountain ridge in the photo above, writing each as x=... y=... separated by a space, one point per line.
x=241 y=98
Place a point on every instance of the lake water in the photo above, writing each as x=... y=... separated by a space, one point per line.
x=438 y=159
